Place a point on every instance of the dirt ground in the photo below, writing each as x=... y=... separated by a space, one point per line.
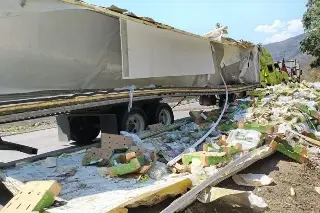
x=286 y=174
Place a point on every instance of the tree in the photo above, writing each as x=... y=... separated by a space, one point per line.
x=311 y=24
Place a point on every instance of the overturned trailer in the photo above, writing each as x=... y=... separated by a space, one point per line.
x=54 y=50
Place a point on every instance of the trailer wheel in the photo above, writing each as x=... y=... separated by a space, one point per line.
x=133 y=122
x=161 y=113
x=84 y=129
x=206 y=100
x=231 y=99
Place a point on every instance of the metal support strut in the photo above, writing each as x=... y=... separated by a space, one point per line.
x=5 y=145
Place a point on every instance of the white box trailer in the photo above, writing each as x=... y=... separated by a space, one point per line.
x=67 y=57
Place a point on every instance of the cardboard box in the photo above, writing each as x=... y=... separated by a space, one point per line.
x=34 y=196
x=181 y=168
x=258 y=127
x=227 y=126
x=231 y=149
x=210 y=147
x=296 y=152
x=103 y=154
x=222 y=140
x=207 y=158
x=313 y=113
x=126 y=168
x=196 y=117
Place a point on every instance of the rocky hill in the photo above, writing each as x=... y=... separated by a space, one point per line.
x=290 y=49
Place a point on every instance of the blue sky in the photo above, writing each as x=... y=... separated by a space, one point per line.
x=259 y=21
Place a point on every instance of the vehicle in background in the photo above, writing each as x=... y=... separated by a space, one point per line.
x=293 y=68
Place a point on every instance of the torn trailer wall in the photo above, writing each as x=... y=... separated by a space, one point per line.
x=53 y=45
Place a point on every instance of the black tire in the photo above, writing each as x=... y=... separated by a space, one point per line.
x=222 y=99
x=84 y=129
x=201 y=100
x=155 y=111
x=123 y=115
x=208 y=100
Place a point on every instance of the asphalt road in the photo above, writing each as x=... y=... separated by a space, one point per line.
x=44 y=140
x=47 y=140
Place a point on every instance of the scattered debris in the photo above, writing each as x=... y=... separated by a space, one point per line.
x=249 y=139
x=257 y=201
x=103 y=171
x=66 y=171
x=230 y=169
x=242 y=198
x=281 y=118
x=317 y=189
x=50 y=162
x=206 y=158
x=133 y=160
x=292 y=192
x=252 y=179
x=143 y=178
x=108 y=147
x=293 y=150
x=158 y=171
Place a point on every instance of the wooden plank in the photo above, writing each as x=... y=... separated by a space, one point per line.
x=224 y=173
x=309 y=140
x=13 y=185
x=133 y=196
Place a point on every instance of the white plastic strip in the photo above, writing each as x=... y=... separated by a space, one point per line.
x=213 y=127
x=131 y=90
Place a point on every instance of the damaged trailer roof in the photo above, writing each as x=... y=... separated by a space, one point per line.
x=127 y=15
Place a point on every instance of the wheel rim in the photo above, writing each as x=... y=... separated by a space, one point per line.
x=135 y=123
x=165 y=117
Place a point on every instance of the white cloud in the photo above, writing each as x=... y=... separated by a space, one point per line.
x=295 y=26
x=278 y=37
x=277 y=24
x=281 y=30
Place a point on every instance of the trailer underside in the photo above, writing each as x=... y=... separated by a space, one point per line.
x=22 y=109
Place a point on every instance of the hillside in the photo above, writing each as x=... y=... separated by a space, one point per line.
x=290 y=49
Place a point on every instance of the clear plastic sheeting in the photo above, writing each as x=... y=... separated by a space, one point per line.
x=249 y=139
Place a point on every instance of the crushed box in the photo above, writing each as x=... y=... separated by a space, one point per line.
x=34 y=196
x=206 y=158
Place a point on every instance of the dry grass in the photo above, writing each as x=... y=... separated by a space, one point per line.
x=312 y=75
